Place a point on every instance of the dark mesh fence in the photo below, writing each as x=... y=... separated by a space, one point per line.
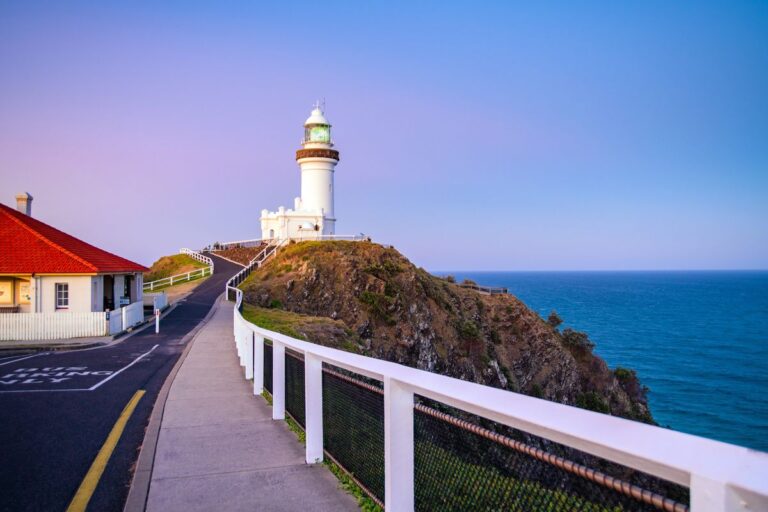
x=268 y=367
x=294 y=386
x=463 y=462
x=353 y=427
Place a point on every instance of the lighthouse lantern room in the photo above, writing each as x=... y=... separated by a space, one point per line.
x=312 y=215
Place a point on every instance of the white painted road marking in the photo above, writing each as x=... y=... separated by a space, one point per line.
x=58 y=375
x=22 y=358
x=123 y=368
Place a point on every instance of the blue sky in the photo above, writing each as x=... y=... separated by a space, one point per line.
x=505 y=136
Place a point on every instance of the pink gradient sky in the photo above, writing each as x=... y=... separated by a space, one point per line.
x=501 y=137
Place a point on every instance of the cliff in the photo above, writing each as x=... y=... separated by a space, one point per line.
x=368 y=298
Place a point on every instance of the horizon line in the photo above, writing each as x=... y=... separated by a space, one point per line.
x=616 y=270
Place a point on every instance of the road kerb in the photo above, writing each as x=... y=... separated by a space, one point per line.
x=142 y=476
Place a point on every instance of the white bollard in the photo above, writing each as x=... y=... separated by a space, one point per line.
x=157 y=321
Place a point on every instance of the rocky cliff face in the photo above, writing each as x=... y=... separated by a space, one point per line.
x=390 y=309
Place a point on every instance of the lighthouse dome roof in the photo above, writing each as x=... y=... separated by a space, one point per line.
x=316 y=117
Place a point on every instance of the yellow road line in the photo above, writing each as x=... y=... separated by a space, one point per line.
x=88 y=486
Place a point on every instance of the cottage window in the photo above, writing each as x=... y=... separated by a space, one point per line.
x=62 y=295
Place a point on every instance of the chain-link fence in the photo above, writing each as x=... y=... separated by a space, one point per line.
x=268 y=367
x=463 y=462
x=294 y=386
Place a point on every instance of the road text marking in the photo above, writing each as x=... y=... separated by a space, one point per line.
x=59 y=376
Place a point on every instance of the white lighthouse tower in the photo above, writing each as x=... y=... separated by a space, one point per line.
x=313 y=214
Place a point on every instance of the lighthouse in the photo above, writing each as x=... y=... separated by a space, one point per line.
x=313 y=214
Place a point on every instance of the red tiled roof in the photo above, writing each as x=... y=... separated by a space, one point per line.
x=28 y=246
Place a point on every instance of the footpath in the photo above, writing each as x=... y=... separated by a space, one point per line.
x=218 y=447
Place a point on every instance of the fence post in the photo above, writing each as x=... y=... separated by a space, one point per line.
x=398 y=446
x=278 y=380
x=709 y=495
x=258 y=364
x=313 y=407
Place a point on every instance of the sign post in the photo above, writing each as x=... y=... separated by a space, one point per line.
x=157 y=321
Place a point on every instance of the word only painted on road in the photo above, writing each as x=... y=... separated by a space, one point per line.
x=52 y=375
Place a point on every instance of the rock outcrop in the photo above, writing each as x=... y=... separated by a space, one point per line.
x=393 y=310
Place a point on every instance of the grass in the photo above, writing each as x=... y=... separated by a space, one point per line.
x=300 y=326
x=345 y=481
x=276 y=320
x=172 y=265
x=175 y=283
x=458 y=480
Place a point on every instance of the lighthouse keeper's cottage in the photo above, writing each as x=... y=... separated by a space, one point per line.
x=53 y=285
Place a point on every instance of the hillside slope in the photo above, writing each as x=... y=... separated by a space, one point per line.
x=375 y=302
x=172 y=265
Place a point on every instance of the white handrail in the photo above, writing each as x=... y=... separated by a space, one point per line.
x=187 y=276
x=721 y=477
x=220 y=246
x=202 y=258
x=269 y=250
x=178 y=278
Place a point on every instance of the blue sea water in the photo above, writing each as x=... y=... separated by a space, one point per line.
x=698 y=340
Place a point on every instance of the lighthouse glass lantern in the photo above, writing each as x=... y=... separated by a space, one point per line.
x=317 y=133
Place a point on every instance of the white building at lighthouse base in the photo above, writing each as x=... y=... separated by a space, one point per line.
x=296 y=224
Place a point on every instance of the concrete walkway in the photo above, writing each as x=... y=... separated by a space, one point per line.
x=219 y=448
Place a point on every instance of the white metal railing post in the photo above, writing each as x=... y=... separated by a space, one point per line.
x=709 y=495
x=258 y=364
x=278 y=380
x=248 y=353
x=241 y=344
x=313 y=407
x=398 y=446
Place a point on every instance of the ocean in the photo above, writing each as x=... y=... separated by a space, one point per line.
x=698 y=340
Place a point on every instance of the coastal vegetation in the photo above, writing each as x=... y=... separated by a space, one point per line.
x=369 y=299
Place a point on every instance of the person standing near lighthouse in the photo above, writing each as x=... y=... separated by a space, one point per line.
x=313 y=215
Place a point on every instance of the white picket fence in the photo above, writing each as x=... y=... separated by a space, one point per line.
x=66 y=325
x=51 y=326
x=115 y=321
x=132 y=314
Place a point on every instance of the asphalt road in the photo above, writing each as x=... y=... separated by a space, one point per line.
x=57 y=409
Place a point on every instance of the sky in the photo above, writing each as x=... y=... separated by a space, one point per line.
x=473 y=136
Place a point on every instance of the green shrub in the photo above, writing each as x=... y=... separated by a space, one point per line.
x=554 y=319
x=577 y=339
x=468 y=330
x=592 y=402
x=378 y=305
